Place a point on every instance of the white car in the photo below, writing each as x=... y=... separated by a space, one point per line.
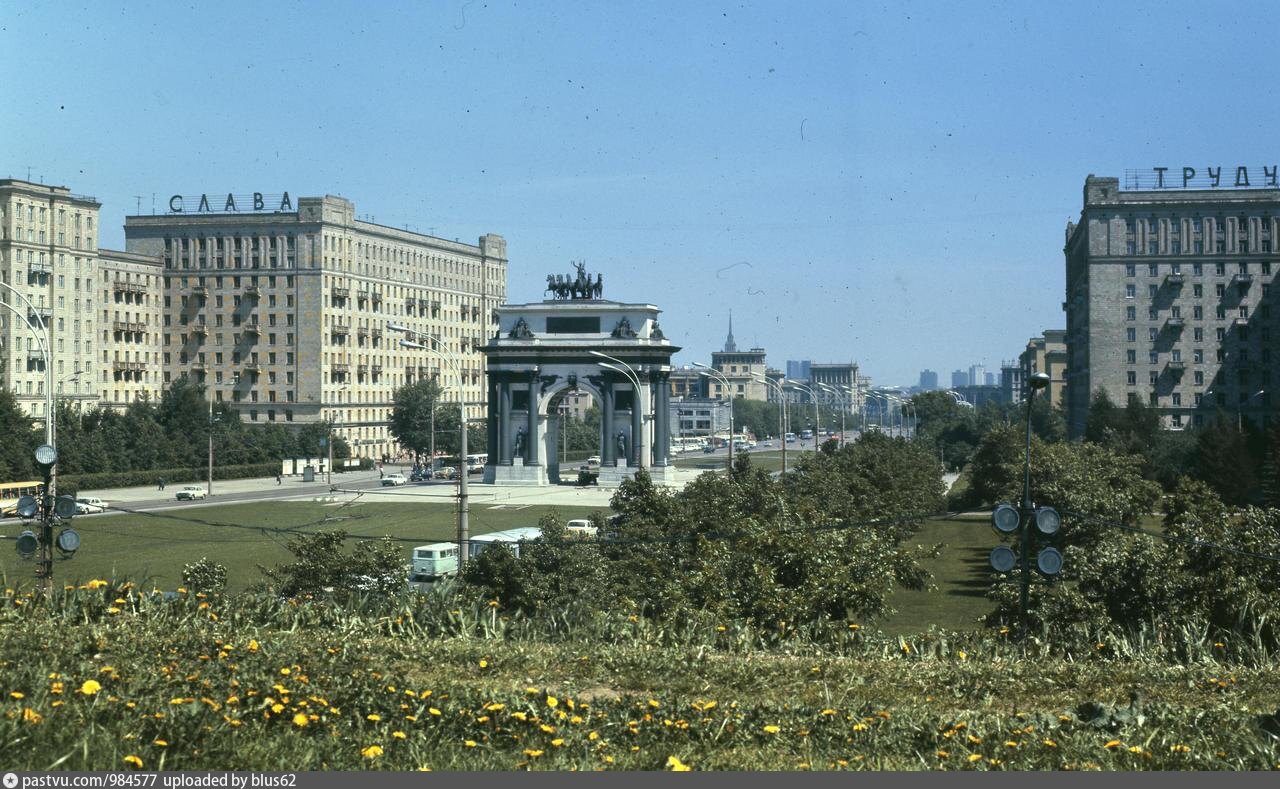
x=394 y=479
x=90 y=504
x=191 y=493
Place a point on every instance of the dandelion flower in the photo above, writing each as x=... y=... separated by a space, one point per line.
x=373 y=716
x=1112 y=744
x=133 y=760
x=253 y=645
x=676 y=765
x=943 y=754
x=372 y=752
x=300 y=720
x=469 y=743
x=31 y=716
x=552 y=702
x=828 y=712
x=654 y=703
x=90 y=687
x=13 y=694
x=1050 y=744
x=484 y=663
x=433 y=711
x=975 y=757
x=399 y=735
x=161 y=743
x=532 y=754
x=1179 y=748
x=771 y=729
x=557 y=742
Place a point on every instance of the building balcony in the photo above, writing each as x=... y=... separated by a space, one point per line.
x=362 y=296
x=1173 y=278
x=198 y=367
x=362 y=332
x=1174 y=323
x=128 y=366
x=340 y=367
x=35 y=355
x=376 y=334
x=377 y=369
x=1240 y=322
x=340 y=293
x=251 y=328
x=200 y=329
x=1242 y=279
x=253 y=291
x=340 y=329
x=252 y=368
x=362 y=369
x=377 y=298
x=125 y=286
x=128 y=327
x=40 y=267
x=1176 y=366
x=200 y=290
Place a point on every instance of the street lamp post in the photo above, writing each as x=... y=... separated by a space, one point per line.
x=782 y=415
x=42 y=340
x=464 y=509
x=711 y=372
x=814 y=396
x=1240 y=408
x=329 y=441
x=841 y=400
x=633 y=375
x=235 y=381
x=1037 y=382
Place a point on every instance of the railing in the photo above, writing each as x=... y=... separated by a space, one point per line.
x=253 y=291
x=119 y=365
x=1176 y=366
x=340 y=293
x=341 y=367
x=1174 y=278
x=1242 y=279
x=1175 y=323
x=340 y=329
x=251 y=328
x=199 y=328
x=199 y=290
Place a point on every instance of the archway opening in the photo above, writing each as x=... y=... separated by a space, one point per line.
x=573 y=417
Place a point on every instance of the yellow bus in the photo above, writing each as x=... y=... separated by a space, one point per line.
x=10 y=492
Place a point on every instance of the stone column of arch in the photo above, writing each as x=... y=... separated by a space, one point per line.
x=491 y=443
x=504 y=423
x=531 y=438
x=637 y=426
x=661 y=418
x=608 y=447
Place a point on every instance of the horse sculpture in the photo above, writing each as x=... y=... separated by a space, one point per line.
x=579 y=286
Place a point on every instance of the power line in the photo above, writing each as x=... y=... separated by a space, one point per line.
x=1194 y=542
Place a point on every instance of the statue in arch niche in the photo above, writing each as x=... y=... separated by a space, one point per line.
x=622 y=444
x=519 y=442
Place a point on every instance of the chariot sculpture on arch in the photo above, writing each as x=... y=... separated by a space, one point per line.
x=577 y=286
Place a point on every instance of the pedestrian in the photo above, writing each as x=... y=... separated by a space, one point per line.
x=381 y=475
x=277 y=479
x=161 y=484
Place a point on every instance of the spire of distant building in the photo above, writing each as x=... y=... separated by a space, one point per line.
x=729 y=345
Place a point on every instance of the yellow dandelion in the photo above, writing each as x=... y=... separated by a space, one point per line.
x=1050 y=744
x=253 y=645
x=161 y=743
x=277 y=708
x=469 y=743
x=676 y=765
x=547 y=729
x=532 y=754
x=131 y=759
x=300 y=720
x=654 y=703
x=1179 y=748
x=828 y=712
x=975 y=757
x=286 y=671
x=962 y=654
x=399 y=735
x=31 y=716
x=90 y=687
x=557 y=742
x=1011 y=743
x=771 y=729
x=373 y=716
x=494 y=707
x=14 y=694
x=484 y=663
x=434 y=711
x=1111 y=744
x=943 y=754
x=552 y=702
x=593 y=736
x=1135 y=749
x=98 y=583
x=372 y=752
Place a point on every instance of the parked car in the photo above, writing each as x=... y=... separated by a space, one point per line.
x=446 y=472
x=392 y=480
x=90 y=504
x=708 y=449
x=191 y=493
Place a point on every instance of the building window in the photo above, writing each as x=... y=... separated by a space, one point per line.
x=1130 y=269
x=1197 y=269
x=1153 y=314
x=1177 y=400
x=1153 y=269
x=1132 y=356
x=1129 y=291
x=1152 y=290
x=1154 y=357
x=1199 y=334
x=1220 y=269
x=1131 y=334
x=1199 y=378
x=1197 y=290
x=1131 y=313
x=1153 y=248
x=1133 y=378
x=1152 y=333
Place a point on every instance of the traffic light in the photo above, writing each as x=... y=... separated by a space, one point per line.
x=1038 y=528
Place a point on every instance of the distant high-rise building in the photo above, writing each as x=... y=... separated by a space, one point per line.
x=1047 y=354
x=1011 y=381
x=959 y=378
x=742 y=369
x=798 y=370
x=989 y=379
x=977 y=374
x=928 y=380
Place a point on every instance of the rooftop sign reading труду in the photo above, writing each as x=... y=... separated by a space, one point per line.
x=1207 y=178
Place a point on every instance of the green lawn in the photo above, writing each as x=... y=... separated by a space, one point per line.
x=241 y=537
x=961 y=577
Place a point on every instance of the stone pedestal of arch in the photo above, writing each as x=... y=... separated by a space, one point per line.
x=545 y=349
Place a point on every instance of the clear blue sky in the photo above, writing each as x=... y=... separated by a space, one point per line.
x=872 y=182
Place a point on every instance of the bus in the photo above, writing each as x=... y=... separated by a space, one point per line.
x=433 y=562
x=511 y=538
x=476 y=463
x=10 y=492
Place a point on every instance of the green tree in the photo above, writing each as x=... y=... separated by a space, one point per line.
x=1225 y=461
x=321 y=565
x=17 y=463
x=412 y=407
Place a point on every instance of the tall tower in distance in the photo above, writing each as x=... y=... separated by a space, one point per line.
x=729 y=345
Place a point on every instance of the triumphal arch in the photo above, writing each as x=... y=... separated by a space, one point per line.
x=577 y=344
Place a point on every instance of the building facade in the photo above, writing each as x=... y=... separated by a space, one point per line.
x=1169 y=295
x=687 y=382
x=288 y=314
x=130 y=327
x=742 y=369
x=959 y=378
x=843 y=377
x=928 y=380
x=49 y=267
x=1047 y=354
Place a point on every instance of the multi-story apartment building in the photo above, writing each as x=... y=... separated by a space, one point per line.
x=130 y=325
x=296 y=315
x=1169 y=294
x=1046 y=354
x=928 y=380
x=843 y=377
x=49 y=267
x=742 y=369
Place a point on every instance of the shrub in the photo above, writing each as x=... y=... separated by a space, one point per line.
x=204 y=576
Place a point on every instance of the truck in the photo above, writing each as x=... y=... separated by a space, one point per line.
x=434 y=562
